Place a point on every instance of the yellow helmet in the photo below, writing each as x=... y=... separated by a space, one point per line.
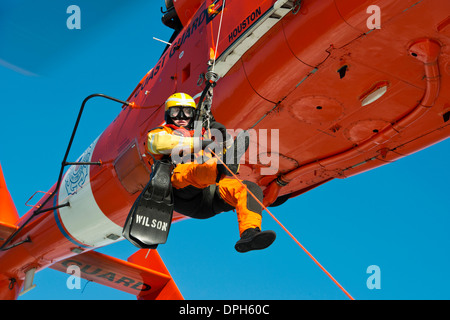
x=181 y=100
x=180 y=106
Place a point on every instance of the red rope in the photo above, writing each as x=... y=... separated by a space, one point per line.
x=286 y=230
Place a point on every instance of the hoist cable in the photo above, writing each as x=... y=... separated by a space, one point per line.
x=286 y=230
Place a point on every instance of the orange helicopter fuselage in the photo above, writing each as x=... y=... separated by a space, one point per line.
x=334 y=93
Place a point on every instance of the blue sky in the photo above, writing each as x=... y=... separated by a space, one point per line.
x=395 y=217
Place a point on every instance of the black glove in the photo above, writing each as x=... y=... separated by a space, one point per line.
x=218 y=126
x=206 y=143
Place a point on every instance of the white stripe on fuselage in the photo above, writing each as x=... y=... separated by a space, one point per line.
x=83 y=219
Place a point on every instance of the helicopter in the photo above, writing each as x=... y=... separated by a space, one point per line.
x=353 y=106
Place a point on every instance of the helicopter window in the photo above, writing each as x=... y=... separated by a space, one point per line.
x=130 y=169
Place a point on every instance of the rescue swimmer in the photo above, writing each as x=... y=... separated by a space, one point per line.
x=202 y=190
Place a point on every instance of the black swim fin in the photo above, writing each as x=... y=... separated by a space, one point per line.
x=150 y=217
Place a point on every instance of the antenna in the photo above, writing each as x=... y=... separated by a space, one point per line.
x=162 y=41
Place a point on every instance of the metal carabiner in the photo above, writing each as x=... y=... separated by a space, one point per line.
x=297 y=6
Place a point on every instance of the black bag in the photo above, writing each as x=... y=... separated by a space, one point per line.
x=150 y=217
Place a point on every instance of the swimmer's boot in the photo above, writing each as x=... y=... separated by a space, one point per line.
x=255 y=239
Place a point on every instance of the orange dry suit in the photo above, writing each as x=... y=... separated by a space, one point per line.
x=199 y=190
